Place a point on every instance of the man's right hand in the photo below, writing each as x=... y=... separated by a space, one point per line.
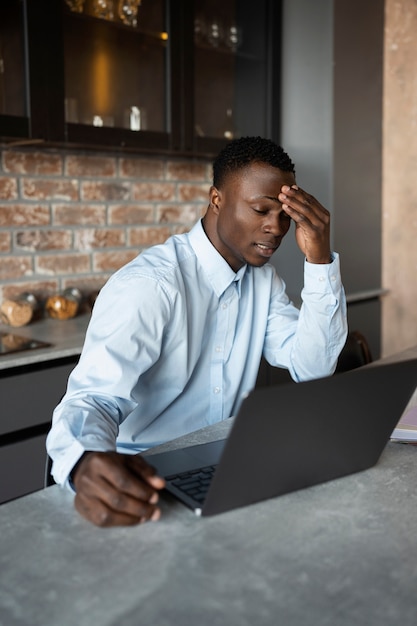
x=115 y=489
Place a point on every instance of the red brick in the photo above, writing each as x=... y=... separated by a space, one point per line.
x=79 y=215
x=176 y=213
x=104 y=191
x=63 y=264
x=151 y=192
x=180 y=229
x=112 y=261
x=24 y=215
x=141 y=168
x=90 y=166
x=186 y=170
x=43 y=163
x=193 y=193
x=15 y=267
x=32 y=240
x=87 y=284
x=5 y=242
x=49 y=189
x=90 y=238
x=41 y=289
x=131 y=214
x=8 y=188
x=129 y=204
x=148 y=235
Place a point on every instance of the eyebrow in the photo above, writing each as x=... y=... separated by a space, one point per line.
x=275 y=199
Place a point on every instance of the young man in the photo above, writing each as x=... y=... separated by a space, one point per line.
x=176 y=336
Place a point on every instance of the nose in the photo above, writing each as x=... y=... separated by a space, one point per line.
x=275 y=225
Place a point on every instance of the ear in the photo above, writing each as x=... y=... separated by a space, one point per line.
x=215 y=199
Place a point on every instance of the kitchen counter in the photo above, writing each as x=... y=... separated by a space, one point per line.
x=66 y=339
x=338 y=553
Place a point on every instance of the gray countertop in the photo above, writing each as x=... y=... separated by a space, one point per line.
x=342 y=553
x=339 y=554
x=66 y=339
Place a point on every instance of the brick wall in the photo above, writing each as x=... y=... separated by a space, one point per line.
x=72 y=219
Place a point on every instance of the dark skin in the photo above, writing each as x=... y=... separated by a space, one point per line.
x=248 y=218
x=115 y=489
x=245 y=221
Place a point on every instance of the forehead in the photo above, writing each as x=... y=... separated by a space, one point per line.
x=259 y=178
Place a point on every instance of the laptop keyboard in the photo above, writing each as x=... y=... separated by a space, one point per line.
x=194 y=483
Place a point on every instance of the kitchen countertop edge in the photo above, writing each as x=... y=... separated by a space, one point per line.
x=66 y=339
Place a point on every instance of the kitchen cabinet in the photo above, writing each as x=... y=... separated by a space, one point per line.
x=14 y=120
x=234 y=75
x=167 y=76
x=29 y=394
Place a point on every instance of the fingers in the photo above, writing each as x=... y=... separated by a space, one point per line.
x=301 y=206
x=142 y=469
x=114 y=489
x=312 y=222
x=111 y=509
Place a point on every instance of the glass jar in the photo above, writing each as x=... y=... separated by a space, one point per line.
x=65 y=305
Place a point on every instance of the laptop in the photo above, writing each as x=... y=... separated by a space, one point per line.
x=290 y=437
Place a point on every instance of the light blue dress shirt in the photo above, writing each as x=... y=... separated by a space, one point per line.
x=175 y=341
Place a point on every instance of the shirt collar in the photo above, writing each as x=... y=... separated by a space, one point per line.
x=217 y=270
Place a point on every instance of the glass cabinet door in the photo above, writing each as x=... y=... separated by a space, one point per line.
x=182 y=76
x=116 y=65
x=232 y=61
x=13 y=109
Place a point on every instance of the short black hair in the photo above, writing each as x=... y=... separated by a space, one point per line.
x=240 y=153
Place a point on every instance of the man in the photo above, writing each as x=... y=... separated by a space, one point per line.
x=176 y=336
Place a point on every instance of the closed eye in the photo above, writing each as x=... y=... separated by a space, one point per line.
x=282 y=215
x=260 y=211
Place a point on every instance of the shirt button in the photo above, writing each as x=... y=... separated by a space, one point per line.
x=333 y=278
x=218 y=348
x=224 y=306
x=321 y=279
x=216 y=390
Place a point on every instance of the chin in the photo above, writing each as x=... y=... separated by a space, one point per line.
x=258 y=262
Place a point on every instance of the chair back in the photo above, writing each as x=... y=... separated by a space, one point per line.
x=356 y=352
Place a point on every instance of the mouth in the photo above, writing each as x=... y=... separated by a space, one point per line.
x=266 y=249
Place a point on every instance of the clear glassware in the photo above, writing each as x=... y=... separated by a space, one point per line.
x=215 y=34
x=200 y=30
x=233 y=39
x=128 y=11
x=64 y=305
x=104 y=9
x=19 y=311
x=76 y=5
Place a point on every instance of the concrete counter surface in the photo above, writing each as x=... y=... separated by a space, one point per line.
x=339 y=554
x=66 y=339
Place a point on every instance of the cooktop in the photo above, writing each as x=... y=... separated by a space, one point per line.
x=9 y=342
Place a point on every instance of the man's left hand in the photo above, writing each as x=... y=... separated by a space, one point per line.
x=312 y=223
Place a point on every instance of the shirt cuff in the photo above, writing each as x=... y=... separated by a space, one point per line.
x=64 y=462
x=323 y=277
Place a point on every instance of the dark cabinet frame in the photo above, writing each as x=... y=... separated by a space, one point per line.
x=45 y=87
